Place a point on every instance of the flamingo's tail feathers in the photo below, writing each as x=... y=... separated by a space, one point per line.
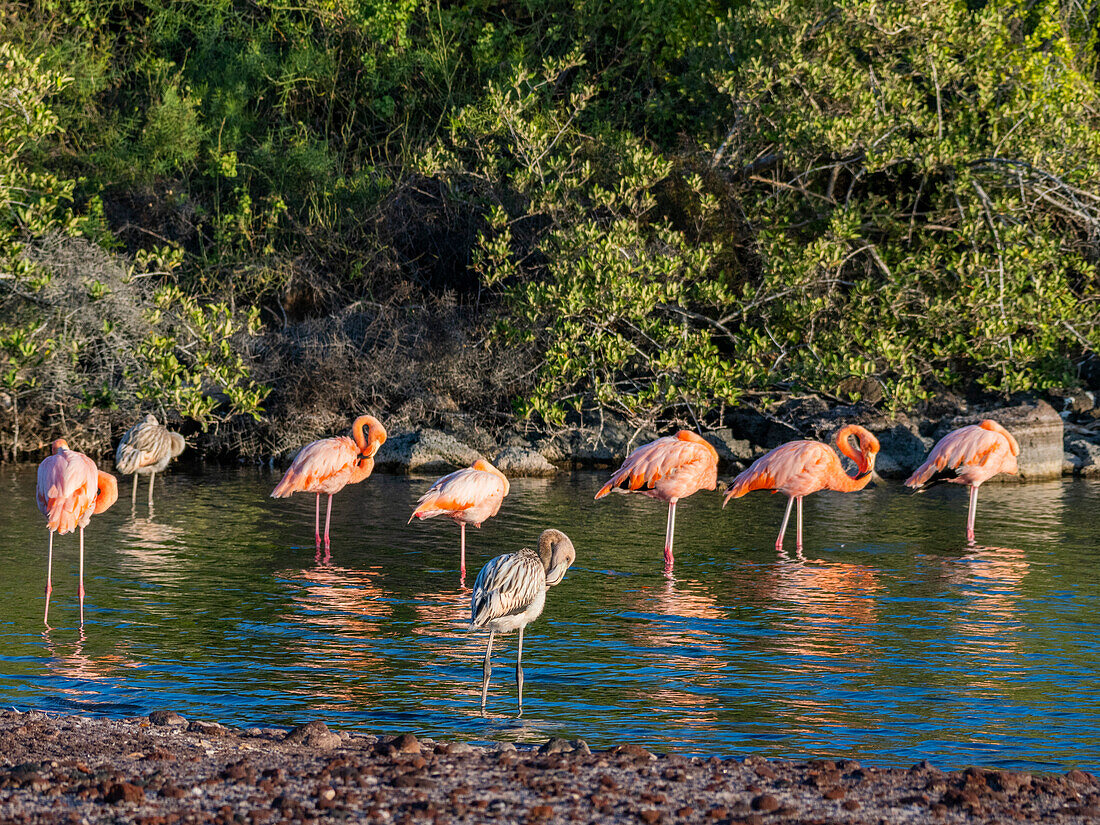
x=748 y=481
x=604 y=490
x=287 y=486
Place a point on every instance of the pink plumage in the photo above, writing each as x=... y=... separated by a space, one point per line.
x=70 y=490
x=330 y=464
x=469 y=496
x=799 y=468
x=669 y=469
x=969 y=455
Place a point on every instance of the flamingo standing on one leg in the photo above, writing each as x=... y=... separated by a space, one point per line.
x=70 y=490
x=799 y=468
x=970 y=455
x=670 y=468
x=469 y=496
x=510 y=593
x=145 y=449
x=330 y=464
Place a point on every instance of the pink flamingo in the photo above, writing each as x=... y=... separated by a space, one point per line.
x=70 y=490
x=799 y=468
x=469 y=496
x=670 y=468
x=969 y=455
x=330 y=464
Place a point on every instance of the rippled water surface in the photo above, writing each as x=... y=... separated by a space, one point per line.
x=891 y=642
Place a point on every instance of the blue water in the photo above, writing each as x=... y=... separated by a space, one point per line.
x=891 y=642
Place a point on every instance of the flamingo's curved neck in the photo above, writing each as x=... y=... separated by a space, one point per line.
x=377 y=435
x=865 y=462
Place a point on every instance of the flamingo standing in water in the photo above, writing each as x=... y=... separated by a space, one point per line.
x=510 y=593
x=145 y=449
x=969 y=455
x=330 y=464
x=469 y=496
x=799 y=468
x=670 y=468
x=70 y=490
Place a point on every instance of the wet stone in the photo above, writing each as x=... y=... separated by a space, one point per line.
x=556 y=745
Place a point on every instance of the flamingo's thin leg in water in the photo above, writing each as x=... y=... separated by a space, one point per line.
x=462 y=551
x=133 y=498
x=783 y=526
x=49 y=582
x=519 y=670
x=151 y=477
x=972 y=512
x=487 y=669
x=80 y=589
x=328 y=516
x=317 y=523
x=798 y=541
x=670 y=528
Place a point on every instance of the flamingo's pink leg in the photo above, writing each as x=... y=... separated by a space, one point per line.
x=317 y=523
x=798 y=539
x=783 y=526
x=49 y=582
x=328 y=517
x=670 y=528
x=80 y=589
x=973 y=512
x=462 y=550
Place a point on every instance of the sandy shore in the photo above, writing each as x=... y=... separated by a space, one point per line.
x=165 y=769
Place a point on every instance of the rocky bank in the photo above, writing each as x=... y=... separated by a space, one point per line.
x=163 y=770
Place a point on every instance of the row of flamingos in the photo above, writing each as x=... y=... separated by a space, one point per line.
x=510 y=590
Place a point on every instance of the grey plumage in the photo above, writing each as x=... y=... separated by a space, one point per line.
x=510 y=592
x=145 y=449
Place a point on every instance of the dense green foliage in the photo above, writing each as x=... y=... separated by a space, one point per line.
x=646 y=207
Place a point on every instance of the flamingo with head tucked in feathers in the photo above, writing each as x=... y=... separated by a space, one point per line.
x=469 y=496
x=70 y=490
x=669 y=469
x=330 y=464
x=145 y=449
x=799 y=468
x=969 y=455
x=510 y=593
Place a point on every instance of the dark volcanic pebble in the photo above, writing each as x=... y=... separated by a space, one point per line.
x=167 y=718
x=74 y=770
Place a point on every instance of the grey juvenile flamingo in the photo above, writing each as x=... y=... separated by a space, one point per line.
x=510 y=593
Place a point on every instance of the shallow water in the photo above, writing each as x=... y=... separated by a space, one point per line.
x=891 y=642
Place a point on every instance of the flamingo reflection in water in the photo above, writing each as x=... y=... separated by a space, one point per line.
x=510 y=593
x=688 y=643
x=989 y=622
x=78 y=666
x=338 y=615
x=827 y=615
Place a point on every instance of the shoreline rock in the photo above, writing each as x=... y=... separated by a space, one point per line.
x=57 y=768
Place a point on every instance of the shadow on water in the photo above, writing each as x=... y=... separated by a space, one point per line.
x=889 y=640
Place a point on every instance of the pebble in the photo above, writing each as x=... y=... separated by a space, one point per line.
x=124 y=792
x=315 y=734
x=167 y=718
x=765 y=803
x=406 y=743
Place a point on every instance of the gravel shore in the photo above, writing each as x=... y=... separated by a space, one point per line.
x=164 y=769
